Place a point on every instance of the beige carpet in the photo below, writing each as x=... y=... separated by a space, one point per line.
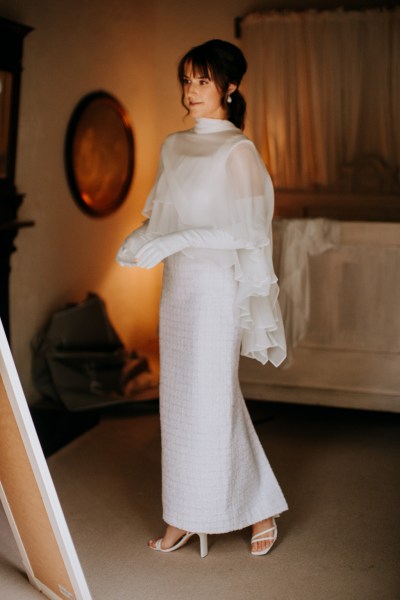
x=339 y=541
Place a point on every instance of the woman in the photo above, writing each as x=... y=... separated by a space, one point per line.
x=210 y=214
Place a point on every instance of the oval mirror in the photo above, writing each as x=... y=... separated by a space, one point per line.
x=99 y=154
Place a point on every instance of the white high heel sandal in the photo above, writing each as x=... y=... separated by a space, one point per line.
x=268 y=538
x=182 y=541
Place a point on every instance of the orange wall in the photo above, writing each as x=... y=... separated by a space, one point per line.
x=129 y=48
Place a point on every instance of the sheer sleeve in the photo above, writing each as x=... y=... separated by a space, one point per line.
x=250 y=194
x=161 y=204
x=252 y=200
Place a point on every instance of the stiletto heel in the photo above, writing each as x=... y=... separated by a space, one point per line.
x=182 y=541
x=203 y=544
x=270 y=538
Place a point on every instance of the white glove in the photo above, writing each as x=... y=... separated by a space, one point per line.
x=156 y=250
x=130 y=246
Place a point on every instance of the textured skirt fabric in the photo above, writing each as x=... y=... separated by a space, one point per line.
x=215 y=475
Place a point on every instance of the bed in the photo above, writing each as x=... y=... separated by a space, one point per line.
x=349 y=353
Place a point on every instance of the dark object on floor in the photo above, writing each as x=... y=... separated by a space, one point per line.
x=80 y=362
x=56 y=426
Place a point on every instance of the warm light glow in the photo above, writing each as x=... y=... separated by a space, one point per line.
x=132 y=301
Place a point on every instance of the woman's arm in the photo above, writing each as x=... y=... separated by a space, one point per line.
x=155 y=251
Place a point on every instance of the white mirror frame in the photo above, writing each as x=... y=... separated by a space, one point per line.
x=29 y=497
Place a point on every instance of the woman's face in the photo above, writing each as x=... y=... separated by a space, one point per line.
x=201 y=96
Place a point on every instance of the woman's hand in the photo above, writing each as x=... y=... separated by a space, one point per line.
x=131 y=245
x=155 y=251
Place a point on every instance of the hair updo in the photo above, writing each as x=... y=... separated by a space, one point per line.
x=223 y=63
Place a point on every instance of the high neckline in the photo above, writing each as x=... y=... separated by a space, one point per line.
x=204 y=125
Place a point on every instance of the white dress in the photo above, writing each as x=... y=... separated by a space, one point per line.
x=215 y=304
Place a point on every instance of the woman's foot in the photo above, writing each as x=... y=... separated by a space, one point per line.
x=171 y=536
x=264 y=545
x=175 y=538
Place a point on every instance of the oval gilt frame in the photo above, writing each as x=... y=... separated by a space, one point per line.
x=99 y=154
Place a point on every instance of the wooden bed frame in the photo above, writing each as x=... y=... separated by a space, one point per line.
x=366 y=190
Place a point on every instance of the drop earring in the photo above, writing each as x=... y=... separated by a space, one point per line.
x=229 y=100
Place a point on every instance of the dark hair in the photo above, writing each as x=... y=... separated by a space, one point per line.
x=224 y=63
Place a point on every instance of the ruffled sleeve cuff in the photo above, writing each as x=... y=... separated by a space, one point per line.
x=260 y=318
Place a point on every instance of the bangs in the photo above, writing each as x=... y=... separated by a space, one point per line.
x=201 y=69
x=199 y=64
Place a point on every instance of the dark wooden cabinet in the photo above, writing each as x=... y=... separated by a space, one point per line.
x=11 y=50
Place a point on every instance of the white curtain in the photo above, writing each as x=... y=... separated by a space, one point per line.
x=323 y=88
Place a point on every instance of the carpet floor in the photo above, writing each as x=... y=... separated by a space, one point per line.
x=340 y=540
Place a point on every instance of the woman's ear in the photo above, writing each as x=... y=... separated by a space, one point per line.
x=232 y=87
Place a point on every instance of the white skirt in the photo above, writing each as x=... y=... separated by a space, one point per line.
x=215 y=475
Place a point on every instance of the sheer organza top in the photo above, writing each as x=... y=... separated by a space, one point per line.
x=211 y=176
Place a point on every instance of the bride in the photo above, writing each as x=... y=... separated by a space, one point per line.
x=209 y=219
